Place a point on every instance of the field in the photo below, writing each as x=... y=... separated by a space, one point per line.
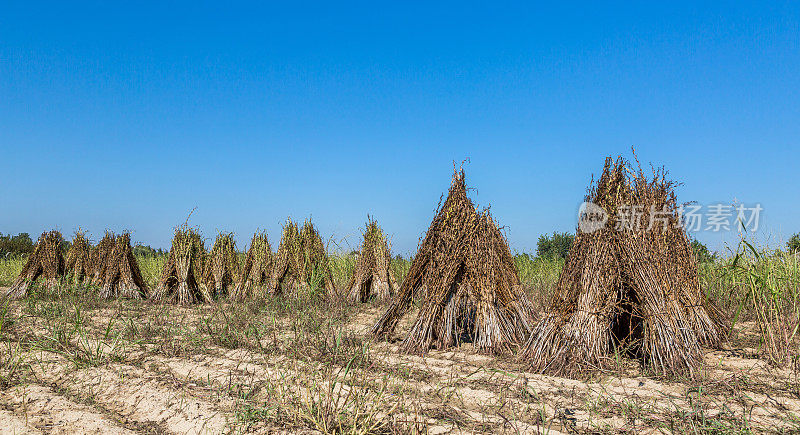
x=73 y=363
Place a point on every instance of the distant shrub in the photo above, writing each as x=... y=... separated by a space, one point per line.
x=147 y=251
x=701 y=252
x=13 y=246
x=554 y=246
x=794 y=243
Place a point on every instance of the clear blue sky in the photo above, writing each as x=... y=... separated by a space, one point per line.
x=128 y=116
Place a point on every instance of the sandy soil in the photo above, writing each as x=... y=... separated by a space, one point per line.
x=90 y=383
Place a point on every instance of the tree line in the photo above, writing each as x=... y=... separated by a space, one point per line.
x=22 y=244
x=549 y=246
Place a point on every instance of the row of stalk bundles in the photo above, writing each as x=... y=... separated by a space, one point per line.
x=109 y=266
x=630 y=289
x=192 y=275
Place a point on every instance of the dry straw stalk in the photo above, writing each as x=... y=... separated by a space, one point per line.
x=465 y=275
x=101 y=255
x=221 y=269
x=79 y=259
x=255 y=276
x=46 y=262
x=183 y=271
x=372 y=276
x=287 y=268
x=301 y=261
x=630 y=287
x=123 y=278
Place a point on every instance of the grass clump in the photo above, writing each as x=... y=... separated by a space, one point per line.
x=763 y=287
x=10 y=268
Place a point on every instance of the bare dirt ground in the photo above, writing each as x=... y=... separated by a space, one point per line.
x=84 y=366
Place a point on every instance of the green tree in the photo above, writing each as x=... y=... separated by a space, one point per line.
x=141 y=250
x=701 y=252
x=20 y=244
x=554 y=246
x=794 y=243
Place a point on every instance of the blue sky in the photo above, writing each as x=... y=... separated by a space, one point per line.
x=129 y=115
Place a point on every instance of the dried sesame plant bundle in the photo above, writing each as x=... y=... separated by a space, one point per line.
x=255 y=276
x=315 y=265
x=79 y=259
x=465 y=275
x=287 y=268
x=372 y=276
x=123 y=278
x=101 y=255
x=183 y=271
x=221 y=268
x=301 y=260
x=45 y=262
x=631 y=285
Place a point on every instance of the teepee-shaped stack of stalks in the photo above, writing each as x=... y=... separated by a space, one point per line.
x=221 y=266
x=46 y=261
x=255 y=276
x=301 y=260
x=630 y=284
x=79 y=259
x=101 y=255
x=183 y=271
x=123 y=278
x=372 y=277
x=465 y=275
x=287 y=269
x=316 y=268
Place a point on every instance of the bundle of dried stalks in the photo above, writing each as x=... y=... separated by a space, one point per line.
x=630 y=286
x=183 y=271
x=288 y=262
x=100 y=257
x=123 y=278
x=221 y=266
x=79 y=259
x=316 y=270
x=287 y=266
x=372 y=277
x=465 y=274
x=256 y=273
x=301 y=260
x=46 y=261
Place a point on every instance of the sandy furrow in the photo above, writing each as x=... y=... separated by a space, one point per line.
x=465 y=381
x=225 y=367
x=471 y=383
x=240 y=367
x=135 y=395
x=53 y=413
x=459 y=368
x=13 y=424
